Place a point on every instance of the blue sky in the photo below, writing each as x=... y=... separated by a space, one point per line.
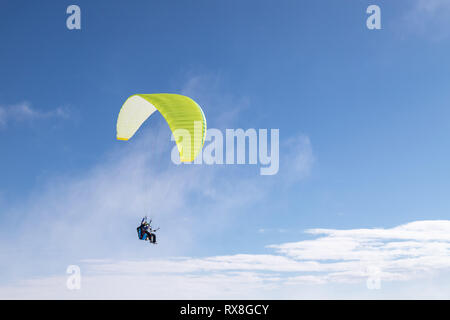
x=363 y=119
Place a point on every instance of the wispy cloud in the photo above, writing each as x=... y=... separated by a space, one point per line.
x=432 y=6
x=301 y=158
x=223 y=108
x=24 y=112
x=131 y=182
x=430 y=18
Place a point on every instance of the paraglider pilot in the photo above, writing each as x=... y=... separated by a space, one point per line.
x=145 y=231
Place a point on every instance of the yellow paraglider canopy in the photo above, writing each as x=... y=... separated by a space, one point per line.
x=184 y=116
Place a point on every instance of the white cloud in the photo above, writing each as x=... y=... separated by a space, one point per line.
x=407 y=253
x=401 y=253
x=24 y=112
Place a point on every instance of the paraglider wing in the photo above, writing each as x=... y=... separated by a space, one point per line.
x=183 y=115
